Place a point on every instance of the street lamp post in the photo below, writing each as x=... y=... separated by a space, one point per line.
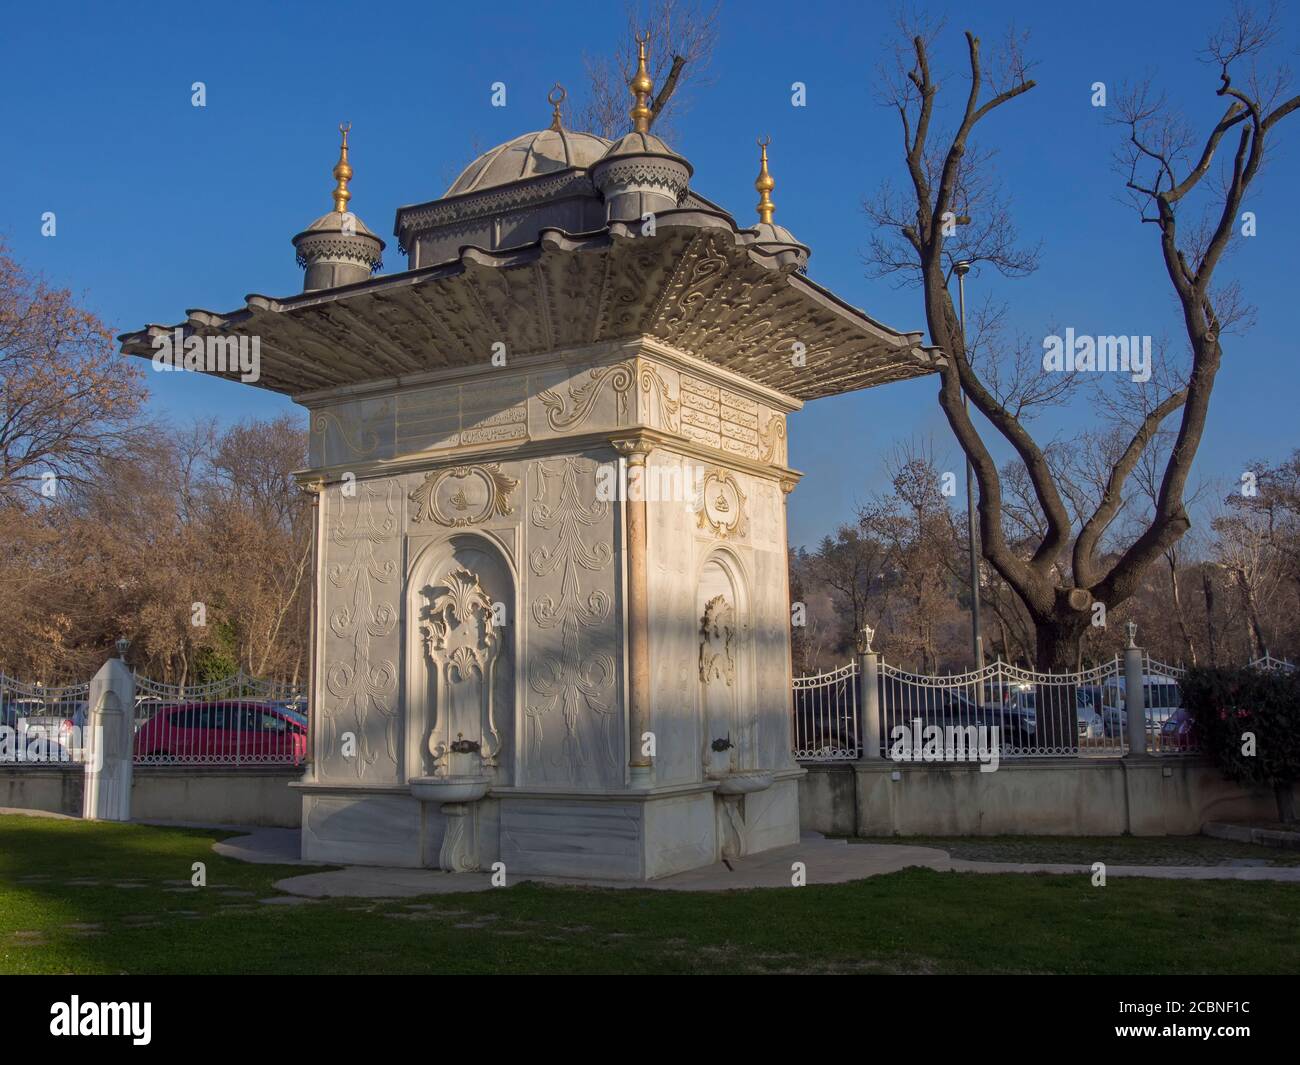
x=962 y=268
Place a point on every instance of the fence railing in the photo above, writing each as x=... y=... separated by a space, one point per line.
x=826 y=714
x=237 y=720
x=1024 y=713
x=41 y=723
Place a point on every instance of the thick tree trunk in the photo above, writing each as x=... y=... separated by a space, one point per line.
x=1056 y=704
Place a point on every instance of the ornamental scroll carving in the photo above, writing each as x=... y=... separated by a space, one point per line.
x=575 y=678
x=461 y=639
x=582 y=399
x=622 y=377
x=772 y=441
x=722 y=506
x=360 y=685
x=362 y=445
x=463 y=496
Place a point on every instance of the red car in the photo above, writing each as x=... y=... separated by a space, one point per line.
x=220 y=732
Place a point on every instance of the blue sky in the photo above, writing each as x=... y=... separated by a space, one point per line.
x=162 y=206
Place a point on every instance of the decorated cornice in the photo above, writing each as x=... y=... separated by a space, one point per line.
x=698 y=285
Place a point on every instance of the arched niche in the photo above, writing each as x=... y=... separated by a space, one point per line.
x=461 y=610
x=726 y=693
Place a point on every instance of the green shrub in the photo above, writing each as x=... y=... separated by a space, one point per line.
x=1229 y=706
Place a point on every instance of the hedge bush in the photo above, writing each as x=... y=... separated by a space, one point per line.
x=1228 y=704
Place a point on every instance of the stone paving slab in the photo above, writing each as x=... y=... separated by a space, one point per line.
x=825 y=861
x=265 y=846
x=23 y=812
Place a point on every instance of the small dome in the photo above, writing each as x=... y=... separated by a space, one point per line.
x=332 y=222
x=635 y=143
x=529 y=156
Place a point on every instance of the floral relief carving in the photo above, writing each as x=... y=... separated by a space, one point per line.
x=459 y=635
x=575 y=677
x=463 y=496
x=717 y=637
x=360 y=685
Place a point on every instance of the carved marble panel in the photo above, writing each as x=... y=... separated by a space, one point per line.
x=358 y=724
x=573 y=715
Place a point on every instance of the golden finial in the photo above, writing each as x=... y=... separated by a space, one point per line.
x=556 y=97
x=641 y=86
x=342 y=172
x=764 y=183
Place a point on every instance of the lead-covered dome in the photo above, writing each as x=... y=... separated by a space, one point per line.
x=532 y=155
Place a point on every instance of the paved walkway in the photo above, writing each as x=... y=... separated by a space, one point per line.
x=825 y=861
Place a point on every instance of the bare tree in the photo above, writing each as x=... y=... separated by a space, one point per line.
x=1068 y=571
x=849 y=564
x=66 y=397
x=683 y=35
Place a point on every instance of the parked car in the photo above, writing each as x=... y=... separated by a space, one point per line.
x=1017 y=723
x=294 y=709
x=1088 y=703
x=1178 y=733
x=60 y=725
x=222 y=732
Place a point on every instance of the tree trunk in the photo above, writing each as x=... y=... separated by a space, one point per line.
x=1285 y=803
x=1207 y=587
x=1254 y=630
x=1188 y=646
x=1056 y=704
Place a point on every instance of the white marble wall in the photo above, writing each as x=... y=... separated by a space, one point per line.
x=747 y=541
x=560 y=688
x=482 y=474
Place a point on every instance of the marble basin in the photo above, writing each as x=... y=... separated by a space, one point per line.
x=450 y=789
x=743 y=783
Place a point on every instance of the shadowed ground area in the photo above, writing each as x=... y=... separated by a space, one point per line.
x=94 y=897
x=1116 y=850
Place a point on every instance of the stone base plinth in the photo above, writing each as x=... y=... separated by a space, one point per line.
x=635 y=834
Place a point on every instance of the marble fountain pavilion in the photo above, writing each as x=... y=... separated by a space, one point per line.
x=510 y=664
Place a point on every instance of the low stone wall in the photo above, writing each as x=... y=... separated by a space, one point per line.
x=1080 y=797
x=206 y=795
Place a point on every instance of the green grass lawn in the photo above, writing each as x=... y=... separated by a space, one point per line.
x=62 y=909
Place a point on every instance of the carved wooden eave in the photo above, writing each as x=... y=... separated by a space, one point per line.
x=699 y=284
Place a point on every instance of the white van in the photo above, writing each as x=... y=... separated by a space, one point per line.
x=1161 y=694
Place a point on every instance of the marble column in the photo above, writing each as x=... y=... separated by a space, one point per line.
x=787 y=486
x=641 y=768
x=314 y=489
